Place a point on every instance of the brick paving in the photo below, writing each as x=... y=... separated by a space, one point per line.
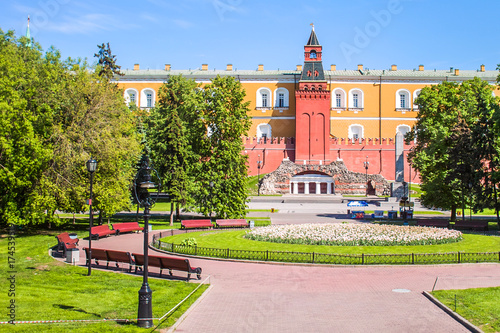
x=253 y=297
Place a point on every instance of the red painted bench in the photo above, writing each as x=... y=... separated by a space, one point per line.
x=193 y=224
x=439 y=223
x=471 y=225
x=169 y=263
x=126 y=227
x=65 y=242
x=231 y=223
x=110 y=256
x=101 y=231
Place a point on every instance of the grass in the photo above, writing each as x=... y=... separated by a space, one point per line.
x=46 y=289
x=234 y=240
x=480 y=306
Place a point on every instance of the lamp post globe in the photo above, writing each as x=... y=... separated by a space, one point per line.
x=91 y=168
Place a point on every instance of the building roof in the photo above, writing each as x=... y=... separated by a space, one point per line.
x=345 y=74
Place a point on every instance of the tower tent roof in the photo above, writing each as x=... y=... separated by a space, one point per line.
x=313 y=39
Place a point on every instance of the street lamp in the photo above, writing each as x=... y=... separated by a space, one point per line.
x=142 y=184
x=259 y=162
x=91 y=167
x=366 y=164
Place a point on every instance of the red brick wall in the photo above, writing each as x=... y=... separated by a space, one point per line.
x=381 y=155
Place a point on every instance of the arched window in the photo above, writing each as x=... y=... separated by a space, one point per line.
x=312 y=54
x=403 y=100
x=415 y=95
x=131 y=96
x=403 y=129
x=356 y=132
x=281 y=98
x=264 y=98
x=356 y=99
x=338 y=99
x=147 y=98
x=264 y=132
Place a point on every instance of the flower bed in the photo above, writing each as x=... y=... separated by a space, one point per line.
x=354 y=235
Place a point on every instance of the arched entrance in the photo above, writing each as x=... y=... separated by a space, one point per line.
x=312 y=183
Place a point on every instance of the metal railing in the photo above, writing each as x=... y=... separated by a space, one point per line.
x=327 y=258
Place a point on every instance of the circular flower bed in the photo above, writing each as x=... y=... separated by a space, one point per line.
x=354 y=235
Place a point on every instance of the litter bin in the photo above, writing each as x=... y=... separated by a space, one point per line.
x=392 y=214
x=252 y=224
x=72 y=256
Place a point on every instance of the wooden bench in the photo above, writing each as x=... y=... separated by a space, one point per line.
x=169 y=263
x=101 y=231
x=127 y=227
x=438 y=223
x=65 y=242
x=471 y=225
x=231 y=223
x=110 y=256
x=194 y=224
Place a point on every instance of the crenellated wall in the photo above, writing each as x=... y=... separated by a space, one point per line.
x=380 y=154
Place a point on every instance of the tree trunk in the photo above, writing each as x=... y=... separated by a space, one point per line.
x=177 y=211
x=453 y=217
x=171 y=213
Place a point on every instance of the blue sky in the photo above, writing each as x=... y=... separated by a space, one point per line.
x=187 y=33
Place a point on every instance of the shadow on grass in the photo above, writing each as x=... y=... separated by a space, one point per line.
x=73 y=308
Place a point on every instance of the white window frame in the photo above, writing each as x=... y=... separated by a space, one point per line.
x=403 y=128
x=351 y=133
x=264 y=130
x=144 y=98
x=126 y=95
x=342 y=99
x=415 y=96
x=259 y=97
x=286 y=102
x=361 y=99
x=399 y=106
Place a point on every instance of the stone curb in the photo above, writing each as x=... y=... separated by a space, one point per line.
x=453 y=314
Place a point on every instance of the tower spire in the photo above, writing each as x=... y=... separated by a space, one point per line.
x=28 y=33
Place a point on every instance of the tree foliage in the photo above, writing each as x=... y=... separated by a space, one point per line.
x=106 y=63
x=195 y=138
x=54 y=116
x=456 y=144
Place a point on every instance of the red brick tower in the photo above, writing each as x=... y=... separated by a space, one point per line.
x=312 y=109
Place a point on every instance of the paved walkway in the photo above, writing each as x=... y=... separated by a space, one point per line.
x=251 y=297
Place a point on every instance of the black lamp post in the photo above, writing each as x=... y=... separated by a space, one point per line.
x=91 y=167
x=142 y=184
x=366 y=164
x=259 y=162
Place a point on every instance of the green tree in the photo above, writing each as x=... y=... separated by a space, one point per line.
x=451 y=152
x=106 y=63
x=222 y=173
x=169 y=140
x=54 y=115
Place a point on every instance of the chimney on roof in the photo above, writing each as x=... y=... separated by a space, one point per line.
x=229 y=67
x=299 y=68
x=136 y=67
x=360 y=67
x=457 y=72
x=394 y=67
x=261 y=67
x=420 y=68
x=482 y=68
x=167 y=67
x=333 y=67
x=204 y=67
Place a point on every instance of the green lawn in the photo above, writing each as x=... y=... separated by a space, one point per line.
x=480 y=306
x=46 y=289
x=234 y=240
